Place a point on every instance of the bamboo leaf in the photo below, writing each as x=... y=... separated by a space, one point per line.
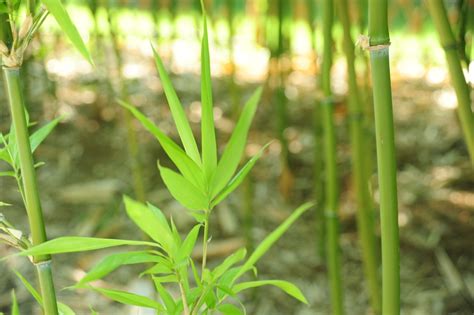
x=177 y=111
x=183 y=162
x=62 y=17
x=164 y=279
x=228 y=263
x=265 y=245
x=64 y=309
x=166 y=298
x=29 y=287
x=112 y=262
x=236 y=145
x=238 y=178
x=208 y=135
x=187 y=247
x=129 y=298
x=183 y=191
x=73 y=244
x=286 y=286
x=15 y=308
x=8 y=173
x=38 y=136
x=229 y=309
x=151 y=221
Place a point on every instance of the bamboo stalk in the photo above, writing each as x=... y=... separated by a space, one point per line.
x=450 y=46
x=33 y=204
x=132 y=138
x=330 y=161
x=365 y=222
x=386 y=160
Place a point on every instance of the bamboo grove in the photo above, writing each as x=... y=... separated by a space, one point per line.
x=207 y=166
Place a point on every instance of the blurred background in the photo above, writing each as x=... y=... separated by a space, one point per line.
x=97 y=153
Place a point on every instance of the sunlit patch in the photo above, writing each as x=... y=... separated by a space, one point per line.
x=68 y=67
x=470 y=75
x=402 y=219
x=275 y=148
x=195 y=112
x=186 y=56
x=436 y=75
x=446 y=99
x=445 y=173
x=462 y=199
x=252 y=148
x=295 y=146
x=251 y=63
x=134 y=70
x=412 y=69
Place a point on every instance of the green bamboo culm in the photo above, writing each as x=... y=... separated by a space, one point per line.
x=330 y=163
x=132 y=137
x=30 y=189
x=365 y=216
x=462 y=89
x=379 y=42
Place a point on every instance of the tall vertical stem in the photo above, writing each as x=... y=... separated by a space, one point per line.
x=204 y=242
x=451 y=49
x=28 y=174
x=365 y=222
x=386 y=159
x=330 y=156
x=132 y=138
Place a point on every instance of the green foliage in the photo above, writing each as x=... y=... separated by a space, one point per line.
x=61 y=16
x=13 y=56
x=15 y=308
x=201 y=182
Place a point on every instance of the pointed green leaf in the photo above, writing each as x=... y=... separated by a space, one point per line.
x=286 y=286
x=208 y=133
x=112 y=262
x=129 y=298
x=183 y=162
x=29 y=287
x=64 y=309
x=265 y=245
x=228 y=263
x=236 y=145
x=151 y=221
x=73 y=244
x=229 y=309
x=38 y=136
x=183 y=190
x=187 y=247
x=62 y=17
x=179 y=116
x=15 y=308
x=166 y=298
x=164 y=279
x=238 y=178
x=8 y=173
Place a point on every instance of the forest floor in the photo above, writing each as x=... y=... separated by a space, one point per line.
x=86 y=172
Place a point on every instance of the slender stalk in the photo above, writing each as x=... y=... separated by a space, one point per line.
x=365 y=221
x=33 y=204
x=330 y=159
x=183 y=294
x=386 y=160
x=204 y=243
x=132 y=139
x=451 y=48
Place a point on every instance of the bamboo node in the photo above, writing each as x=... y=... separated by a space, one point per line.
x=43 y=264
x=363 y=41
